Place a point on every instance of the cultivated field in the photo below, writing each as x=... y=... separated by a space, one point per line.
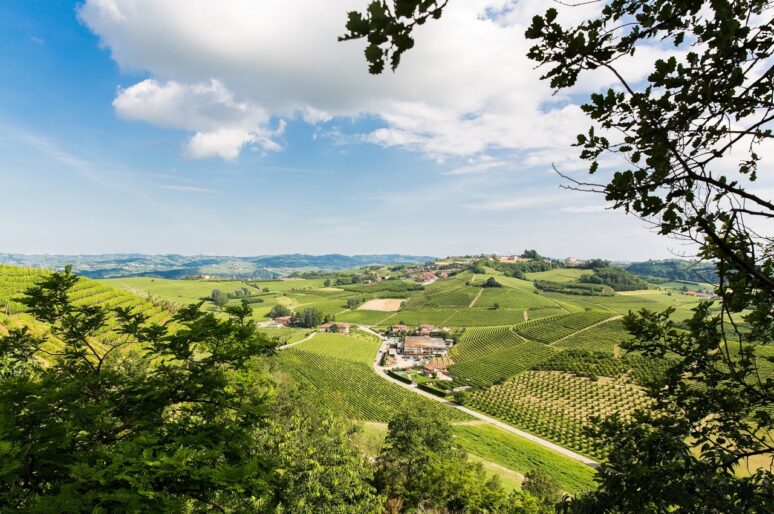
x=382 y=305
x=557 y=405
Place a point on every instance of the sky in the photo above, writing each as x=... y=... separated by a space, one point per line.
x=242 y=127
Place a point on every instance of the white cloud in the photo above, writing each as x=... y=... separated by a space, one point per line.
x=480 y=167
x=221 y=125
x=466 y=88
x=187 y=189
x=525 y=201
x=585 y=209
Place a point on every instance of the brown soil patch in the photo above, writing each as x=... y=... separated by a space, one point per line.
x=383 y=305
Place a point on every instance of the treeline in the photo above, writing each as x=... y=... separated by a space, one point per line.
x=677 y=270
x=575 y=288
x=518 y=269
x=616 y=278
x=393 y=286
x=220 y=298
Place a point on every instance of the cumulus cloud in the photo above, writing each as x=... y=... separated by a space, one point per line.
x=221 y=125
x=466 y=89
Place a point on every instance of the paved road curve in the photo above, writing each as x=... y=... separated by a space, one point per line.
x=483 y=417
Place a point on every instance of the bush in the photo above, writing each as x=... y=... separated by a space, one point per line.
x=279 y=311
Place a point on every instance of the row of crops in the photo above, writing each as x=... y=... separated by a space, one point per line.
x=557 y=405
x=639 y=368
x=357 y=347
x=551 y=329
x=501 y=365
x=355 y=390
x=478 y=342
x=602 y=338
x=15 y=280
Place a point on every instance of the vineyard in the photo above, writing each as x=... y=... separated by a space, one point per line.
x=510 y=298
x=593 y=364
x=557 y=405
x=476 y=343
x=354 y=389
x=501 y=365
x=14 y=281
x=602 y=338
x=357 y=347
x=550 y=329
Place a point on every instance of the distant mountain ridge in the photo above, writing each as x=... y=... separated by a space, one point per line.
x=179 y=266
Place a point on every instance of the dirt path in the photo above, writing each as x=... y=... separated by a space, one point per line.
x=608 y=320
x=307 y=338
x=474 y=300
x=483 y=417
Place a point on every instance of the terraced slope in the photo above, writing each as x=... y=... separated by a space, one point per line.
x=495 y=367
x=15 y=280
x=478 y=342
x=553 y=328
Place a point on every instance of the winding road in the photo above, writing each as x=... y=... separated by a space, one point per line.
x=483 y=417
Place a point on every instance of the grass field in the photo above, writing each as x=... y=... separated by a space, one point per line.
x=365 y=317
x=178 y=291
x=286 y=335
x=522 y=455
x=563 y=275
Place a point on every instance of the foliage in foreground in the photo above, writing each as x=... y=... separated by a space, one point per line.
x=169 y=426
x=702 y=111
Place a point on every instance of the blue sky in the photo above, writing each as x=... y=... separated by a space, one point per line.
x=243 y=128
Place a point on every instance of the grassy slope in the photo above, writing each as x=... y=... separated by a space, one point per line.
x=521 y=455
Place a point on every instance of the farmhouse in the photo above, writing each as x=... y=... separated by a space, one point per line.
x=426 y=330
x=399 y=329
x=282 y=320
x=335 y=327
x=424 y=346
x=431 y=369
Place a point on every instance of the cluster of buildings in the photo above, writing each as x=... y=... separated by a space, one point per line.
x=702 y=295
x=423 y=347
x=342 y=328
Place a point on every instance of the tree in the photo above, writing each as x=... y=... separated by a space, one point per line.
x=127 y=415
x=531 y=254
x=420 y=465
x=353 y=303
x=279 y=311
x=495 y=306
x=308 y=318
x=491 y=282
x=220 y=301
x=542 y=486
x=688 y=137
x=321 y=469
